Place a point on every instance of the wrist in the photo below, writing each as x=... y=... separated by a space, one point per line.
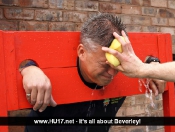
x=28 y=69
x=27 y=63
x=148 y=67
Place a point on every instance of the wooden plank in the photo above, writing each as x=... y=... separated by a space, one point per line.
x=11 y=69
x=3 y=88
x=165 y=53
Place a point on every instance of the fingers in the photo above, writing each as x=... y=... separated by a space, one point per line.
x=113 y=52
x=28 y=91
x=48 y=99
x=153 y=87
x=44 y=98
x=34 y=93
x=160 y=84
x=128 y=43
x=40 y=98
x=52 y=102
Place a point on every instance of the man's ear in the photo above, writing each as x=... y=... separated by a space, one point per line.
x=81 y=52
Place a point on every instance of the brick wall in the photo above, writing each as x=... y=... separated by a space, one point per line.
x=64 y=15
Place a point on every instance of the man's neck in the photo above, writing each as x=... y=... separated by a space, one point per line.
x=85 y=79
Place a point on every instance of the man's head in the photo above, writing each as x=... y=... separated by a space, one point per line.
x=95 y=33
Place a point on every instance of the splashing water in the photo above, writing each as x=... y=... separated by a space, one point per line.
x=93 y=90
x=103 y=88
x=148 y=92
x=105 y=109
x=140 y=85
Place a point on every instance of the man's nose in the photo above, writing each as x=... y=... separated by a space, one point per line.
x=112 y=71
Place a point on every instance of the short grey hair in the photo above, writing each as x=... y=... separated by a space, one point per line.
x=99 y=30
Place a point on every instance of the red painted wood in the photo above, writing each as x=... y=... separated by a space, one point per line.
x=3 y=88
x=9 y=52
x=165 y=53
x=55 y=52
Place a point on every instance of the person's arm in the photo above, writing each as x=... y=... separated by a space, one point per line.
x=132 y=66
x=36 y=85
x=164 y=71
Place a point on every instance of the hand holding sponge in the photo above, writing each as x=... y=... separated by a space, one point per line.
x=116 y=46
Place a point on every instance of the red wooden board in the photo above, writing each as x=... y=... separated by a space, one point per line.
x=56 y=54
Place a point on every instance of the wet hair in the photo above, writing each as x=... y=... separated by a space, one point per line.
x=99 y=30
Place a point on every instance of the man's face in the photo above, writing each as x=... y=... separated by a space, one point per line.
x=93 y=66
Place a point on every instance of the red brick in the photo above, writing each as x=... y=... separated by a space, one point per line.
x=147 y=2
x=150 y=29
x=129 y=9
x=159 y=21
x=136 y=129
x=165 y=13
x=152 y=128
x=16 y=128
x=103 y=0
x=159 y=130
x=133 y=28
x=1 y=13
x=170 y=30
x=140 y=99
x=62 y=4
x=149 y=11
x=8 y=25
x=86 y=5
x=126 y=19
x=48 y=15
x=92 y=14
x=19 y=113
x=171 y=4
x=129 y=101
x=110 y=7
x=19 y=13
x=140 y=20
x=74 y=16
x=159 y=3
x=9 y=2
x=33 y=26
x=62 y=26
x=117 y=129
x=157 y=106
x=134 y=110
x=171 y=22
x=137 y=2
x=78 y=26
x=121 y=111
x=122 y=1
x=33 y=3
x=173 y=47
x=159 y=97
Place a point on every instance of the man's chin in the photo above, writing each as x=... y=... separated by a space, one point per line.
x=104 y=83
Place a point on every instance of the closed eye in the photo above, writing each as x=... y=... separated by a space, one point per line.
x=104 y=65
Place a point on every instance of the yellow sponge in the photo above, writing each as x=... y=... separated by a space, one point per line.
x=116 y=46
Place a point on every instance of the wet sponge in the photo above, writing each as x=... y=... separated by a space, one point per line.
x=116 y=46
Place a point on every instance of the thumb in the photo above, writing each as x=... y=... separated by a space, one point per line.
x=120 y=68
x=52 y=102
